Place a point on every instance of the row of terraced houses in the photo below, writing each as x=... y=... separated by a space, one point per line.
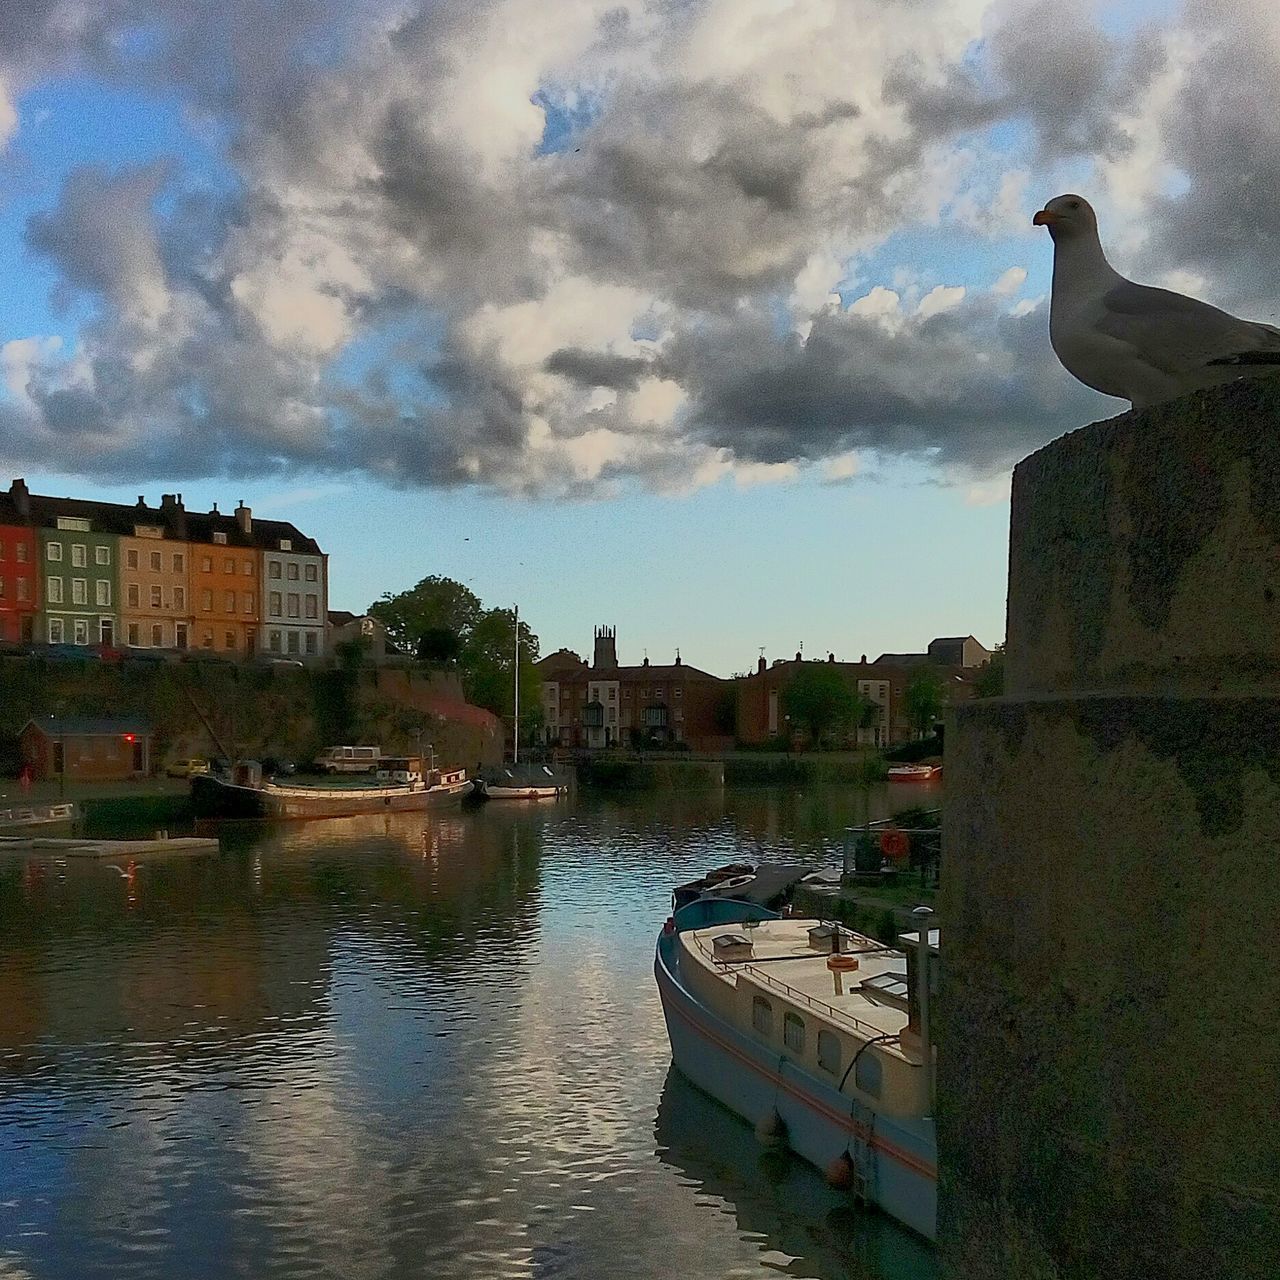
x=101 y=573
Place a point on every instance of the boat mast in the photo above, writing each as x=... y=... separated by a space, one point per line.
x=515 y=726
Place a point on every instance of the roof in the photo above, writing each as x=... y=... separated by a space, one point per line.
x=901 y=660
x=673 y=672
x=88 y=726
x=341 y=617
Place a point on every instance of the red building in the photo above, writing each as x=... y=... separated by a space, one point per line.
x=84 y=749
x=19 y=567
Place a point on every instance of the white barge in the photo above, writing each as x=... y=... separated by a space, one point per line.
x=816 y=1035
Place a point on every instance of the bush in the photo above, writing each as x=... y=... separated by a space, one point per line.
x=911 y=752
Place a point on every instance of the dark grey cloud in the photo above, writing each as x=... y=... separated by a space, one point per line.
x=598 y=368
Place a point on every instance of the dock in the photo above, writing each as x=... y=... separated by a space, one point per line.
x=87 y=848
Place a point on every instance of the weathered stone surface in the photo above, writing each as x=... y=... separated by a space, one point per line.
x=1109 y=1061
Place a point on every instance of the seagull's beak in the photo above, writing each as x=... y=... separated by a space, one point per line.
x=1045 y=218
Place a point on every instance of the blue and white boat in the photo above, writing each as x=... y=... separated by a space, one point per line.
x=816 y=1035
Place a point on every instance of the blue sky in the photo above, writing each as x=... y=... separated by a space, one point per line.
x=544 y=318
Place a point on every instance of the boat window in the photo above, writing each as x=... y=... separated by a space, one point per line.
x=762 y=1016
x=793 y=1032
x=829 y=1051
x=867 y=1074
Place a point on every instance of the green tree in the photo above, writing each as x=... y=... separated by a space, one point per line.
x=923 y=700
x=439 y=646
x=990 y=681
x=435 y=605
x=486 y=660
x=819 y=700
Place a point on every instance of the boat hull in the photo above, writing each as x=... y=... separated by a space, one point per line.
x=932 y=774
x=213 y=798
x=897 y=1158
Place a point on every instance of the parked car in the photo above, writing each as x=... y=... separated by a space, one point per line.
x=281 y=662
x=186 y=768
x=273 y=766
x=66 y=653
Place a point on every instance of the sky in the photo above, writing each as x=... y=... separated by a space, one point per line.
x=719 y=321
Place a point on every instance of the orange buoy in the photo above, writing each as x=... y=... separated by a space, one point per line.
x=839 y=1172
x=894 y=844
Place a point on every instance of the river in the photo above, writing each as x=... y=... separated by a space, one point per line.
x=392 y=1047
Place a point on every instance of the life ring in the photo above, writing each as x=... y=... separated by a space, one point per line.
x=841 y=963
x=894 y=844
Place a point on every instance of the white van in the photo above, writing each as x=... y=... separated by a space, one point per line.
x=349 y=759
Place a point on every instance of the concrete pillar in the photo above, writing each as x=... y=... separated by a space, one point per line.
x=1109 y=1060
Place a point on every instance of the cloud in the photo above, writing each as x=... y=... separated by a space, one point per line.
x=559 y=250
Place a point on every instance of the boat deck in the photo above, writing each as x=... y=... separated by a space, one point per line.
x=783 y=960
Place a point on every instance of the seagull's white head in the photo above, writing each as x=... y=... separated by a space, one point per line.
x=1068 y=217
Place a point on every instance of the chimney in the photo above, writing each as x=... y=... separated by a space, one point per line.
x=760 y=663
x=864 y=659
x=677 y=657
x=142 y=501
x=605 y=656
x=244 y=518
x=831 y=657
x=215 y=511
x=645 y=663
x=21 y=498
x=799 y=656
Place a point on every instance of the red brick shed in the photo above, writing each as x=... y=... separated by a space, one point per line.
x=86 y=749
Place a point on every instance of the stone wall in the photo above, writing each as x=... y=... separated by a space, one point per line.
x=1109 y=1063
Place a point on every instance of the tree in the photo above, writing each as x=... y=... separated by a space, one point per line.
x=990 y=681
x=819 y=700
x=439 y=646
x=923 y=700
x=435 y=605
x=488 y=653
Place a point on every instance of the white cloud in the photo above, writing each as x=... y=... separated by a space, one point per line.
x=1010 y=281
x=939 y=299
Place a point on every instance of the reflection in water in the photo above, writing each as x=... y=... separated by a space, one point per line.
x=384 y=1046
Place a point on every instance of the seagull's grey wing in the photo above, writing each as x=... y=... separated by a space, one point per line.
x=1175 y=333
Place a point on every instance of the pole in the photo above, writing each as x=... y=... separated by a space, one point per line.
x=515 y=728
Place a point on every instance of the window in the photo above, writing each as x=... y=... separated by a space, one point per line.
x=220 y=539
x=293 y=605
x=73 y=522
x=228 y=565
x=22 y=553
x=230 y=638
x=246 y=603
x=53 y=589
x=657 y=693
x=273 y=604
x=157 y=635
x=273 y=569
x=81 y=634
x=829 y=1051
x=206 y=564
x=79 y=555
x=156 y=600
x=179 y=598
x=133 y=634
x=613 y=693
x=228 y=602
x=102 y=592
x=793 y=1032
x=293 y=642
x=24 y=589
x=678 y=691
x=206 y=640
x=313 y=606
x=762 y=1015
x=206 y=600
x=286 y=544
x=131 y=594
x=312 y=575
x=156 y=562
x=79 y=591
x=131 y=559
x=53 y=551
x=274 y=642
x=179 y=562
x=248 y=568
x=868 y=1073
x=291 y=572
x=626 y=695
x=102 y=555
x=311 y=642
x=148 y=531
x=55 y=630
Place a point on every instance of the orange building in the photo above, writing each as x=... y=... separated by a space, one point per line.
x=226 y=582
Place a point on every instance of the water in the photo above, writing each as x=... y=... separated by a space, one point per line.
x=390 y=1047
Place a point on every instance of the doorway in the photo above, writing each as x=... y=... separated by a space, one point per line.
x=107 y=632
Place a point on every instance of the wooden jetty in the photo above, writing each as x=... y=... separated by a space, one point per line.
x=86 y=848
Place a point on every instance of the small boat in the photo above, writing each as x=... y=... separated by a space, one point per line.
x=914 y=772
x=520 y=782
x=816 y=1035
x=247 y=795
x=43 y=817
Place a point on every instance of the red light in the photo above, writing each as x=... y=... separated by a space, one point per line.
x=128 y=737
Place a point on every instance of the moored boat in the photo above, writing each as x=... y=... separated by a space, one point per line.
x=520 y=782
x=914 y=772
x=246 y=795
x=816 y=1035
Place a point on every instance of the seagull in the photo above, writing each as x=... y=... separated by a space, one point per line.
x=1125 y=339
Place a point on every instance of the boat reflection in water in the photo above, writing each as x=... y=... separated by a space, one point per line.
x=804 y=1227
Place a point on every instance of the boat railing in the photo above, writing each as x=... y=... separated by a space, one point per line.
x=39 y=813
x=757 y=974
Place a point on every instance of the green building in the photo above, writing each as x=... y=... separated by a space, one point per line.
x=79 y=572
